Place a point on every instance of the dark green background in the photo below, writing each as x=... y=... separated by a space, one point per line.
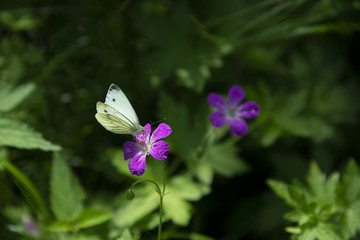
x=299 y=60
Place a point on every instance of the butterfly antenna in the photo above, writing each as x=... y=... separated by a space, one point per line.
x=162 y=120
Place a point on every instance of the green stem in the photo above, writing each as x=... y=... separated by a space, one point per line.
x=160 y=217
x=161 y=201
x=161 y=194
x=157 y=188
x=28 y=189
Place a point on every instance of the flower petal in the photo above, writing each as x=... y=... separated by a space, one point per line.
x=236 y=95
x=249 y=110
x=216 y=101
x=143 y=137
x=130 y=149
x=218 y=119
x=137 y=164
x=162 y=131
x=238 y=127
x=160 y=150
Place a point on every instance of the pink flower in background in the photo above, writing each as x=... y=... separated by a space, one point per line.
x=146 y=144
x=232 y=111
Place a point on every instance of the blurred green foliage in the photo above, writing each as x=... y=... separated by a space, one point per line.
x=299 y=60
x=327 y=209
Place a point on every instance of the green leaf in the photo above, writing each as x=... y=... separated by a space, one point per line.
x=66 y=194
x=19 y=135
x=125 y=235
x=145 y=202
x=23 y=23
x=281 y=189
x=308 y=126
x=316 y=180
x=223 y=159
x=185 y=187
x=180 y=190
x=321 y=232
x=350 y=220
x=10 y=98
x=82 y=237
x=61 y=226
x=184 y=126
x=92 y=217
x=28 y=189
x=87 y=218
x=205 y=173
x=350 y=196
x=177 y=209
x=351 y=181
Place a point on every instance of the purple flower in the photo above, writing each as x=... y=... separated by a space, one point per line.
x=146 y=144
x=30 y=226
x=232 y=111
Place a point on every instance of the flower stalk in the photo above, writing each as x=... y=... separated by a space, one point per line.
x=161 y=192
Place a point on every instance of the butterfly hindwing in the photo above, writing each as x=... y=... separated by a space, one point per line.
x=111 y=121
x=106 y=109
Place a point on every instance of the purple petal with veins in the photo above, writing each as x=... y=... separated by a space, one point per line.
x=218 y=119
x=160 y=150
x=249 y=110
x=162 y=131
x=236 y=95
x=217 y=101
x=238 y=127
x=131 y=149
x=137 y=164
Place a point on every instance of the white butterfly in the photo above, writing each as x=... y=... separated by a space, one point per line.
x=116 y=114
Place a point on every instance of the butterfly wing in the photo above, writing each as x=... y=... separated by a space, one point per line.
x=113 y=120
x=116 y=99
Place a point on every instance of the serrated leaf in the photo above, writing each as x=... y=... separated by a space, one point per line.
x=19 y=135
x=281 y=189
x=351 y=181
x=296 y=216
x=312 y=126
x=185 y=187
x=177 y=209
x=223 y=159
x=350 y=220
x=66 y=194
x=205 y=173
x=10 y=98
x=180 y=190
x=321 y=232
x=316 y=180
x=145 y=202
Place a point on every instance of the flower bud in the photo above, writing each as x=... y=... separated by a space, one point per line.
x=130 y=195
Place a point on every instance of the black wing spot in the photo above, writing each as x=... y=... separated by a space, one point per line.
x=113 y=87
x=114 y=100
x=105 y=111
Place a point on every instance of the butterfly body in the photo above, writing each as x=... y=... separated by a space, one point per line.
x=116 y=114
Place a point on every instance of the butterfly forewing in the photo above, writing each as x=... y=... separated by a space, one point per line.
x=116 y=99
x=116 y=114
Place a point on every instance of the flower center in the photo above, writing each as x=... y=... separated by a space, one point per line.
x=231 y=112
